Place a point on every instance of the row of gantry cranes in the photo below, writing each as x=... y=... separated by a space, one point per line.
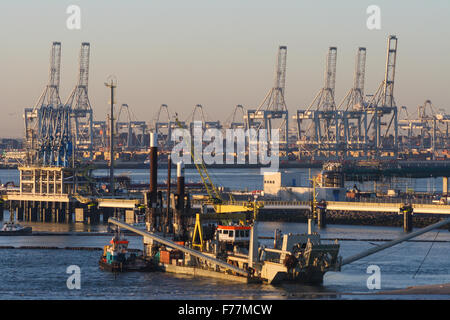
x=361 y=126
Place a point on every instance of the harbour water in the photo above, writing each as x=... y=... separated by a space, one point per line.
x=41 y=273
x=252 y=179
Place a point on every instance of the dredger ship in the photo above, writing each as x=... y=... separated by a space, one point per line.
x=234 y=254
x=224 y=244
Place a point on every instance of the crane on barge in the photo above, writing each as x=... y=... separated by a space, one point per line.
x=224 y=210
x=214 y=197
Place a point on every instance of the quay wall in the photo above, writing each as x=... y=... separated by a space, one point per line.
x=386 y=219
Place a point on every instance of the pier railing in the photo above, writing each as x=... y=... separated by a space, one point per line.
x=24 y=196
x=374 y=205
x=410 y=200
x=265 y=203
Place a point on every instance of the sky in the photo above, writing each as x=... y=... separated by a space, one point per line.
x=218 y=53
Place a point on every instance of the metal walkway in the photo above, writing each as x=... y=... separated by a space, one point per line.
x=350 y=206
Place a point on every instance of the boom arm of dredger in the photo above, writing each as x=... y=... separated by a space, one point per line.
x=394 y=242
x=213 y=194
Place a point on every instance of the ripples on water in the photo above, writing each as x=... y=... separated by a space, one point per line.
x=41 y=274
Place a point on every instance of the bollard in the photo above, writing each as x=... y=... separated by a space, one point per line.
x=407 y=222
x=407 y=212
x=321 y=211
x=322 y=218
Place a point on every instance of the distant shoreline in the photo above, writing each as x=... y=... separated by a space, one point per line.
x=163 y=165
x=434 y=289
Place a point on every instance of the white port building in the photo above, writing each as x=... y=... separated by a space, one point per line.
x=294 y=186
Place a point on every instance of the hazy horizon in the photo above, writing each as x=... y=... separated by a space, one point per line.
x=218 y=54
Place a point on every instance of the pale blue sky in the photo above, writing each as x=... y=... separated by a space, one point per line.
x=218 y=53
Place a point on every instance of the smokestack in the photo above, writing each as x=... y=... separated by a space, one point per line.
x=153 y=166
x=180 y=179
x=178 y=223
x=169 y=178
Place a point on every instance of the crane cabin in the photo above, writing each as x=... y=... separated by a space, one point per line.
x=233 y=234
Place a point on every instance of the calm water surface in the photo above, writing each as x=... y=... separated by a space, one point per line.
x=41 y=274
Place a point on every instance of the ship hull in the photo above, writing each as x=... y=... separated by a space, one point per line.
x=138 y=264
x=24 y=231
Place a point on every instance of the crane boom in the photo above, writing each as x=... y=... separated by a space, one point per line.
x=211 y=189
x=219 y=205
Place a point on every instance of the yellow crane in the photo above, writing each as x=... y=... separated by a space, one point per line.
x=214 y=197
x=222 y=209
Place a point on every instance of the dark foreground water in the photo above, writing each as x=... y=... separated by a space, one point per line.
x=41 y=274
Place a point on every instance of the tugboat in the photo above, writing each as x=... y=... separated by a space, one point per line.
x=14 y=229
x=116 y=258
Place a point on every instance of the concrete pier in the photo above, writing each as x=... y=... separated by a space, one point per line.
x=19 y=213
x=33 y=213
x=48 y=214
x=445 y=186
x=79 y=215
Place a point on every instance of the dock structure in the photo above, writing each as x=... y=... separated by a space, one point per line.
x=62 y=194
x=45 y=194
x=50 y=194
x=54 y=194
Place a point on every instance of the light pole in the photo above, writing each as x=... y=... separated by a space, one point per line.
x=112 y=84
